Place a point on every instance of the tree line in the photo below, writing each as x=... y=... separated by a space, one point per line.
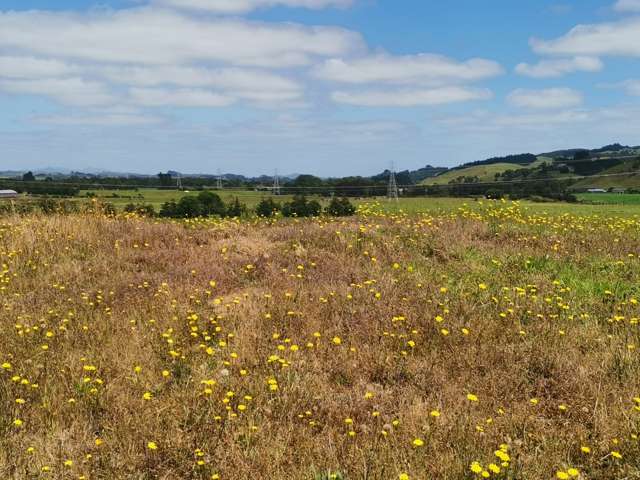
x=208 y=204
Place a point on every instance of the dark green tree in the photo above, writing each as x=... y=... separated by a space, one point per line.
x=211 y=203
x=236 y=209
x=165 y=179
x=267 y=208
x=340 y=207
x=301 y=207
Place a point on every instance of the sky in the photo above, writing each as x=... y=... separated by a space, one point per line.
x=327 y=87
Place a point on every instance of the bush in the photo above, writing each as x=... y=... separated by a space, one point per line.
x=267 y=208
x=301 y=207
x=211 y=203
x=340 y=207
x=169 y=209
x=205 y=204
x=494 y=194
x=236 y=209
x=142 y=210
x=50 y=206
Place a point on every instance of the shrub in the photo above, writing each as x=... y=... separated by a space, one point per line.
x=267 y=208
x=190 y=207
x=142 y=210
x=340 y=207
x=169 y=209
x=235 y=208
x=211 y=203
x=494 y=194
x=301 y=207
x=205 y=204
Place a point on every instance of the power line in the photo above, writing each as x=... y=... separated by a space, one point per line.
x=219 y=181
x=392 y=190
x=276 y=183
x=120 y=186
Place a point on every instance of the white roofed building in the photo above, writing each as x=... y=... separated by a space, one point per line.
x=8 y=194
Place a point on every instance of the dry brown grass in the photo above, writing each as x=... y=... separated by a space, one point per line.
x=556 y=324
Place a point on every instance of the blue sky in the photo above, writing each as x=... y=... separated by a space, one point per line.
x=331 y=87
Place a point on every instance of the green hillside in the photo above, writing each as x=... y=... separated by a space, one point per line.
x=625 y=175
x=484 y=173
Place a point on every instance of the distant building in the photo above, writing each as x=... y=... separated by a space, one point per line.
x=8 y=194
x=597 y=190
x=618 y=190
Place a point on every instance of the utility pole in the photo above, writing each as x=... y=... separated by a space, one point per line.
x=179 y=182
x=392 y=190
x=276 y=184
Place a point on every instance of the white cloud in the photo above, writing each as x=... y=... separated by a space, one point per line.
x=151 y=36
x=631 y=86
x=603 y=39
x=243 y=6
x=411 y=97
x=31 y=67
x=100 y=120
x=545 y=99
x=425 y=69
x=560 y=67
x=627 y=6
x=158 y=97
x=248 y=84
x=70 y=91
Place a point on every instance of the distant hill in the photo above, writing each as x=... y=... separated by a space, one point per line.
x=619 y=162
x=518 y=159
x=411 y=177
x=471 y=174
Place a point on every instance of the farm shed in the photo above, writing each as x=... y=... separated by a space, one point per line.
x=8 y=194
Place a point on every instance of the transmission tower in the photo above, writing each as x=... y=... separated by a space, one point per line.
x=179 y=182
x=219 y=181
x=392 y=190
x=276 y=184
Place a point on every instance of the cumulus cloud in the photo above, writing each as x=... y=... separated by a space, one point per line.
x=34 y=68
x=557 y=68
x=99 y=120
x=90 y=54
x=159 y=97
x=153 y=36
x=250 y=84
x=551 y=98
x=630 y=86
x=69 y=91
x=244 y=6
x=426 y=69
x=627 y=6
x=411 y=97
x=620 y=38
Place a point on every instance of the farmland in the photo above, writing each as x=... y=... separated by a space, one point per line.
x=609 y=198
x=424 y=339
x=156 y=197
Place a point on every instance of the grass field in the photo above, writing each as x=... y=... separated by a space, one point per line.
x=610 y=198
x=591 y=204
x=157 y=197
x=490 y=340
